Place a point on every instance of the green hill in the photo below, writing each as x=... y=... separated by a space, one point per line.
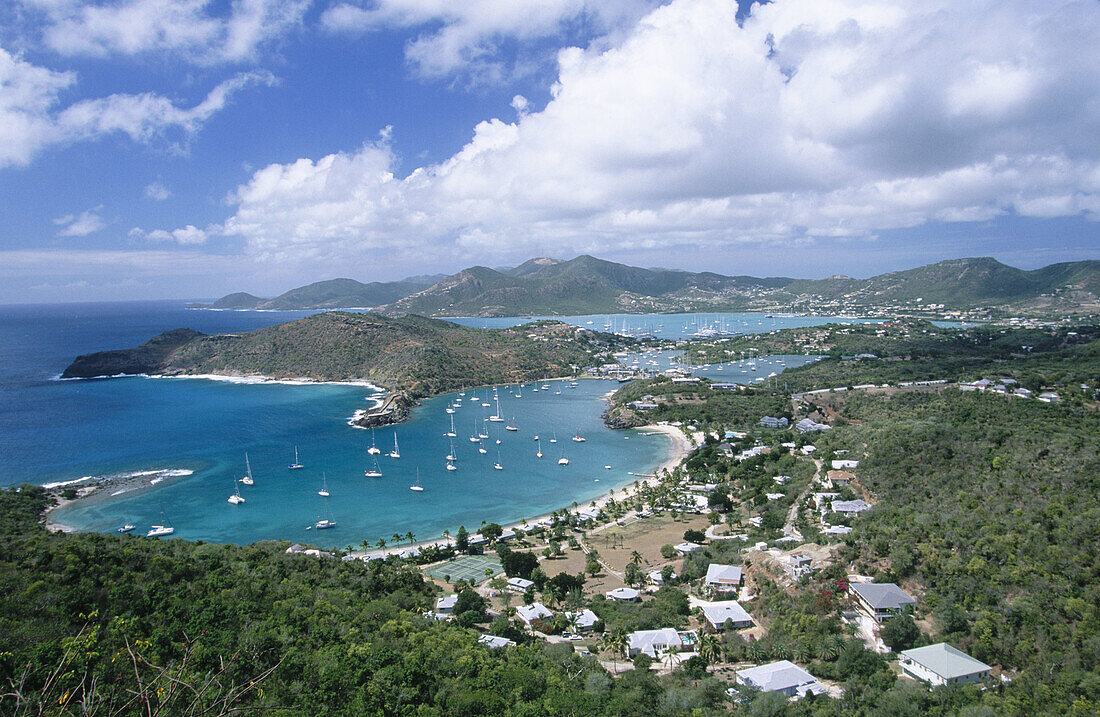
x=412 y=354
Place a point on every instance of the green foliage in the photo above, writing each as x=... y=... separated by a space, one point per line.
x=900 y=632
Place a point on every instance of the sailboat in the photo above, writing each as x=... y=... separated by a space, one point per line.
x=375 y=473
x=236 y=498
x=579 y=438
x=484 y=433
x=451 y=455
x=374 y=449
x=554 y=438
x=451 y=433
x=395 y=453
x=539 y=453
x=474 y=438
x=497 y=465
x=160 y=530
x=324 y=486
x=511 y=426
x=496 y=418
x=295 y=465
x=416 y=486
x=327 y=521
x=563 y=461
x=125 y=528
x=247 y=480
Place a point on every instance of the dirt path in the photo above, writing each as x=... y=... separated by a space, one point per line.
x=788 y=527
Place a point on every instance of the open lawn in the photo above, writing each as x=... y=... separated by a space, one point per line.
x=617 y=543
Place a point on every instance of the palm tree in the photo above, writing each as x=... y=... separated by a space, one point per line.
x=381 y=543
x=668 y=657
x=636 y=557
x=756 y=652
x=396 y=538
x=710 y=649
x=410 y=536
x=615 y=643
x=801 y=651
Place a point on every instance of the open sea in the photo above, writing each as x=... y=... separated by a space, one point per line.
x=178 y=446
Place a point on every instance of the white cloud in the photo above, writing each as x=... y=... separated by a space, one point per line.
x=157 y=191
x=191 y=29
x=463 y=37
x=817 y=118
x=80 y=225
x=30 y=120
x=188 y=235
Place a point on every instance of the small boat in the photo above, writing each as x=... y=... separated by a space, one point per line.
x=295 y=465
x=538 y=454
x=324 y=486
x=416 y=486
x=481 y=449
x=497 y=465
x=247 y=480
x=496 y=418
x=452 y=467
x=607 y=467
x=327 y=521
x=236 y=498
x=451 y=456
x=374 y=449
x=395 y=453
x=579 y=438
x=484 y=433
x=125 y=529
x=563 y=461
x=511 y=426
x=554 y=438
x=450 y=409
x=451 y=433
x=161 y=530
x=375 y=473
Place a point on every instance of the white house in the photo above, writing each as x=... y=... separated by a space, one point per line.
x=653 y=642
x=850 y=507
x=657 y=577
x=941 y=664
x=623 y=595
x=585 y=620
x=722 y=578
x=844 y=464
x=532 y=612
x=880 y=601
x=687 y=547
x=783 y=677
x=446 y=605
x=495 y=642
x=519 y=585
x=725 y=613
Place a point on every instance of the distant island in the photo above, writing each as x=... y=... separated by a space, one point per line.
x=975 y=288
x=411 y=356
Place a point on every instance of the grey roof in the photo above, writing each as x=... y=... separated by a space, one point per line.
x=585 y=618
x=535 y=611
x=718 y=612
x=883 y=596
x=446 y=603
x=623 y=594
x=717 y=574
x=776 y=676
x=650 y=641
x=945 y=661
x=850 y=506
x=495 y=642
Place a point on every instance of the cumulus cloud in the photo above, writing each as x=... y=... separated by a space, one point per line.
x=191 y=29
x=31 y=121
x=157 y=191
x=463 y=38
x=188 y=235
x=81 y=224
x=816 y=118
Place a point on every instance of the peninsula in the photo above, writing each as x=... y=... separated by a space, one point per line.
x=411 y=356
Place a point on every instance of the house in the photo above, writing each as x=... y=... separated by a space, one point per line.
x=844 y=463
x=821 y=499
x=623 y=595
x=774 y=496
x=582 y=621
x=1022 y=393
x=657 y=577
x=880 y=601
x=1049 y=397
x=798 y=565
x=519 y=585
x=725 y=449
x=807 y=450
x=783 y=677
x=837 y=530
x=533 y=612
x=849 y=507
x=654 y=642
x=495 y=642
x=687 y=547
x=725 y=614
x=773 y=422
x=446 y=605
x=723 y=578
x=807 y=425
x=642 y=405
x=941 y=664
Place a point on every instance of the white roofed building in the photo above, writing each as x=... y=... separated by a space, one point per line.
x=941 y=664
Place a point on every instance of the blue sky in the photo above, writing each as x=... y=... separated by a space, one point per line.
x=180 y=148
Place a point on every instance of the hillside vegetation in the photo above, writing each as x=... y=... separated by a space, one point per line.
x=413 y=354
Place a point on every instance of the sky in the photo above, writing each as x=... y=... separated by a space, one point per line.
x=187 y=149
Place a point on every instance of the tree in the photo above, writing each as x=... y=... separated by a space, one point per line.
x=635 y=557
x=462 y=539
x=381 y=543
x=710 y=649
x=633 y=574
x=695 y=536
x=592 y=566
x=667 y=551
x=492 y=531
x=616 y=643
x=900 y=633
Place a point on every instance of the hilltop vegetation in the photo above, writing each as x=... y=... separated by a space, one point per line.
x=587 y=285
x=412 y=354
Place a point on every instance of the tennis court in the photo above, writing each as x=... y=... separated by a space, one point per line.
x=470 y=568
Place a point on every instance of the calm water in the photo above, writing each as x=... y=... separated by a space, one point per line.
x=189 y=436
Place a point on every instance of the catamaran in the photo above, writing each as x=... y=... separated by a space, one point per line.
x=376 y=472
x=374 y=449
x=247 y=480
x=327 y=521
x=161 y=530
x=324 y=486
x=416 y=486
x=295 y=465
x=236 y=498
x=395 y=453
x=563 y=461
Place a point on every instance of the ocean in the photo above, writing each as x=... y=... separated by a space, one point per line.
x=179 y=445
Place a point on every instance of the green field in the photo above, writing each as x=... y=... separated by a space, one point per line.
x=470 y=568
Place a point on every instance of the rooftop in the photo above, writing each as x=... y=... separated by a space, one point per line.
x=776 y=676
x=945 y=661
x=883 y=596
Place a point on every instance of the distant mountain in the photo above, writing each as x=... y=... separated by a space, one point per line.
x=587 y=285
x=329 y=294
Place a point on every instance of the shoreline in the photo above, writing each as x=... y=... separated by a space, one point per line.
x=680 y=447
x=95 y=486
